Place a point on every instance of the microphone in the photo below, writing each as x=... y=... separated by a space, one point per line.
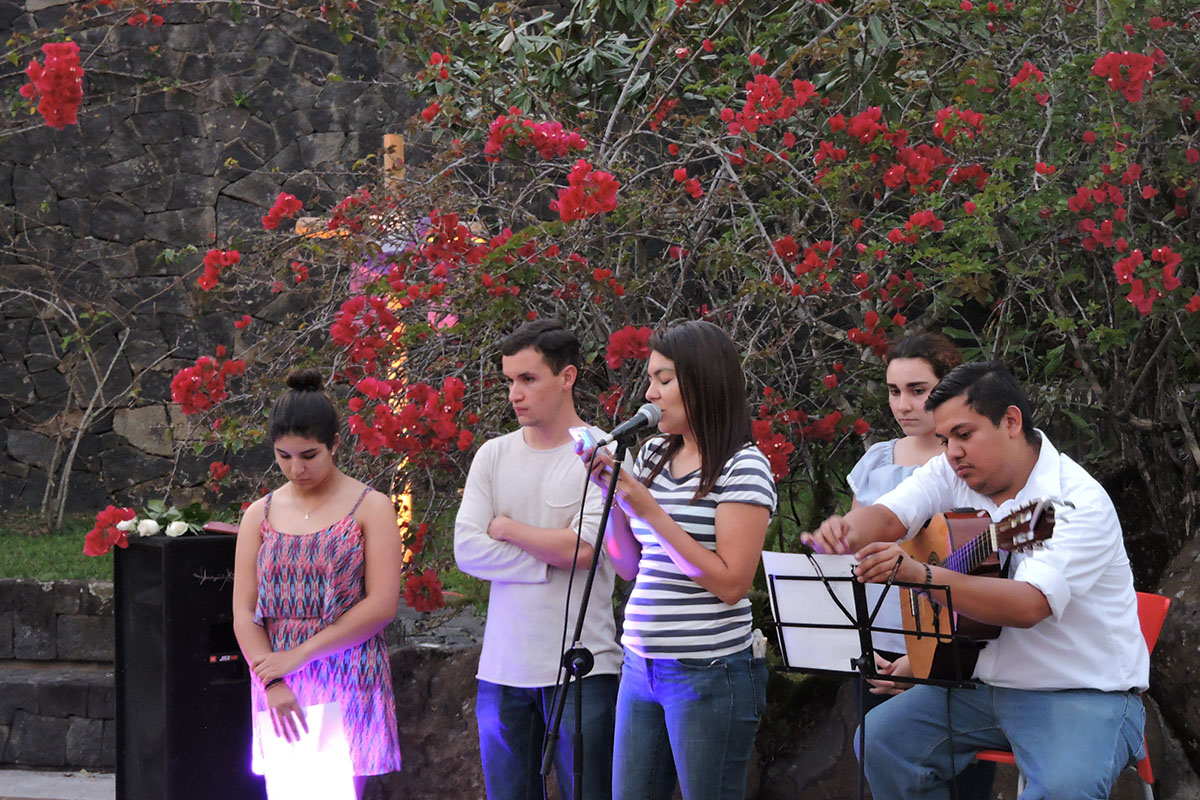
x=649 y=414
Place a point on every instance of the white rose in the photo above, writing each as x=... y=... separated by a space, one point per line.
x=177 y=528
x=148 y=527
x=127 y=525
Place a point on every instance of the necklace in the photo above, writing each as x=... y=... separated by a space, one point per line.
x=316 y=508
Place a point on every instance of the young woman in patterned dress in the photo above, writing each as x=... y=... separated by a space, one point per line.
x=316 y=579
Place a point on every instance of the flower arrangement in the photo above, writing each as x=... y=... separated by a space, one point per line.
x=115 y=525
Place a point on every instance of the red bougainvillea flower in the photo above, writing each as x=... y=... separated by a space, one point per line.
x=217 y=470
x=1027 y=72
x=830 y=381
x=286 y=206
x=423 y=591
x=243 y=323
x=202 y=385
x=862 y=427
x=550 y=139
x=589 y=192
x=1193 y=304
x=431 y=111
x=786 y=248
x=104 y=534
x=214 y=262
x=1126 y=72
x=57 y=85
x=627 y=343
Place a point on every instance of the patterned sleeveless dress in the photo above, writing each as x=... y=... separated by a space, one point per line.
x=305 y=583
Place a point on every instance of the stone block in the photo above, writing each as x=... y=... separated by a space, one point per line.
x=118 y=220
x=37 y=741
x=234 y=214
x=146 y=428
x=226 y=124
x=157 y=126
x=190 y=190
x=255 y=188
x=273 y=43
x=185 y=226
x=49 y=385
x=312 y=64
x=186 y=38
x=291 y=127
x=34 y=197
x=123 y=175
x=17 y=693
x=68 y=596
x=3 y=741
x=110 y=258
x=87 y=492
x=341 y=94
x=237 y=160
x=124 y=467
x=151 y=196
x=6 y=636
x=85 y=743
x=98 y=599
x=85 y=638
x=30 y=447
x=108 y=747
x=102 y=700
x=321 y=148
x=62 y=697
x=76 y=214
x=33 y=618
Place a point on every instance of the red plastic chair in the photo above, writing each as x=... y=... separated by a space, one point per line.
x=1152 y=610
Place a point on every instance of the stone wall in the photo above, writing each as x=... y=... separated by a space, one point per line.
x=100 y=215
x=56 y=675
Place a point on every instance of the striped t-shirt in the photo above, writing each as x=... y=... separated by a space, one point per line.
x=669 y=615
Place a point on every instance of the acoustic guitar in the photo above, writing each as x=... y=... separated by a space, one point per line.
x=965 y=541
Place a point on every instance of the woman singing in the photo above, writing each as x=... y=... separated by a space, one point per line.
x=689 y=530
x=316 y=579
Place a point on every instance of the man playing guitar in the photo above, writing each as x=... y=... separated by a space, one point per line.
x=1060 y=686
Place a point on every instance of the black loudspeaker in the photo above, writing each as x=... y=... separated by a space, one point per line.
x=182 y=687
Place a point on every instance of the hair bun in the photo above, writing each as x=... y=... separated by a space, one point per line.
x=305 y=380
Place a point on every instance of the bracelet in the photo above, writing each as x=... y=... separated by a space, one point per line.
x=928 y=582
x=271 y=683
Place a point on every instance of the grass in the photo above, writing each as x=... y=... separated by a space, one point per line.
x=29 y=550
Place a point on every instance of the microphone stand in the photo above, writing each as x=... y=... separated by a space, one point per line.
x=578 y=660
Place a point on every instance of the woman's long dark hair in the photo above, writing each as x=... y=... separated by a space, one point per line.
x=709 y=370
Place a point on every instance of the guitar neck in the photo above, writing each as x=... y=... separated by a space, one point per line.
x=970 y=556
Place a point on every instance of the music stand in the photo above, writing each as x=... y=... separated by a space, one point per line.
x=825 y=617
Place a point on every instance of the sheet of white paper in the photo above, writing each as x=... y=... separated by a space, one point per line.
x=317 y=766
x=808 y=602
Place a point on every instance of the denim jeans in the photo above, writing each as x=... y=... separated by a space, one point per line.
x=1068 y=744
x=512 y=724
x=691 y=719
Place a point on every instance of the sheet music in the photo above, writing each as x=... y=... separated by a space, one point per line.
x=809 y=602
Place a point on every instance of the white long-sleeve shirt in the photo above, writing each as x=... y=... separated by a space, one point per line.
x=543 y=488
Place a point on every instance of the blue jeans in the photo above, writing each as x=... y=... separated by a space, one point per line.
x=512 y=723
x=691 y=719
x=1068 y=744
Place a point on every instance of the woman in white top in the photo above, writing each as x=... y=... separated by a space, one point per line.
x=688 y=528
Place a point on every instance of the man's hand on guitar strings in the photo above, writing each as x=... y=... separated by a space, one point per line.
x=880 y=562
